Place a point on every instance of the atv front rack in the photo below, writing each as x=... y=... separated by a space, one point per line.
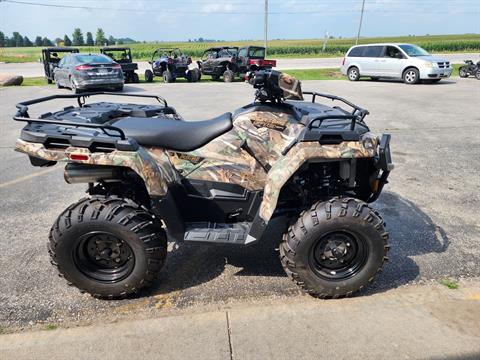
x=22 y=113
x=329 y=136
x=361 y=112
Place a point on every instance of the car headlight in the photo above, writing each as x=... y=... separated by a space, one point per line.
x=428 y=64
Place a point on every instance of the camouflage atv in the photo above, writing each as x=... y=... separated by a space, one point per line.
x=152 y=175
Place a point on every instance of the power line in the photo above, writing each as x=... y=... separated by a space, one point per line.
x=234 y=12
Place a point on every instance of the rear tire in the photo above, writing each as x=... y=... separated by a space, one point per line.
x=462 y=72
x=411 y=76
x=353 y=74
x=335 y=248
x=148 y=76
x=167 y=76
x=477 y=75
x=107 y=246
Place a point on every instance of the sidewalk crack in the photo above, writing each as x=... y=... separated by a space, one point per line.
x=229 y=332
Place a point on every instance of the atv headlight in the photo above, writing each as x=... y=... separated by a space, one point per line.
x=368 y=143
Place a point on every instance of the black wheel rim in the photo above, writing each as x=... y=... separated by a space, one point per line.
x=338 y=255
x=103 y=257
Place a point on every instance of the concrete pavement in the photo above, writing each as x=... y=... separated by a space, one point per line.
x=414 y=322
x=34 y=69
x=430 y=206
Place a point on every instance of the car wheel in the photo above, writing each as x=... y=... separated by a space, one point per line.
x=411 y=76
x=353 y=74
x=74 y=87
x=148 y=76
x=167 y=76
x=477 y=75
x=462 y=72
x=57 y=83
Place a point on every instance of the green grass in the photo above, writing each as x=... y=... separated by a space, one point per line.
x=449 y=283
x=300 y=74
x=317 y=74
x=276 y=48
x=51 y=326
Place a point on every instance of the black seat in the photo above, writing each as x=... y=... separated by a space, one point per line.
x=173 y=134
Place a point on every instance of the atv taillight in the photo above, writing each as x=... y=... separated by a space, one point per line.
x=83 y=67
x=79 y=157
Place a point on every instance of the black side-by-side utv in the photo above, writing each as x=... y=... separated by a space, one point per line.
x=51 y=58
x=123 y=56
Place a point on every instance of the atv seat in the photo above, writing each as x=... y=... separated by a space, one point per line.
x=178 y=135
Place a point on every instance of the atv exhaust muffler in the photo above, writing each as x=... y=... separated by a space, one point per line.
x=84 y=173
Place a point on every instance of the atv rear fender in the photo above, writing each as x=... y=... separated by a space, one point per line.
x=152 y=166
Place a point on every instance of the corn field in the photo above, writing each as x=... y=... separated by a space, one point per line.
x=276 y=48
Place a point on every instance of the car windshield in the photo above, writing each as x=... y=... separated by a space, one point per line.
x=414 y=50
x=100 y=59
x=256 y=53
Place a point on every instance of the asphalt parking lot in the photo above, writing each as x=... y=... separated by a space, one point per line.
x=430 y=206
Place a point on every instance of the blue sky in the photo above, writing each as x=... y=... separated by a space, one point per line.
x=240 y=19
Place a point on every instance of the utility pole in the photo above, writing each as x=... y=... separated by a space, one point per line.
x=360 y=24
x=265 y=28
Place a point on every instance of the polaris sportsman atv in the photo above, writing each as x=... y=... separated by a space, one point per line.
x=469 y=69
x=220 y=181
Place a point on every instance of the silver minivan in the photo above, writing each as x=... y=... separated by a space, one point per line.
x=398 y=61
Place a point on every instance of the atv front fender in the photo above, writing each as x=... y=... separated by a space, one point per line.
x=301 y=153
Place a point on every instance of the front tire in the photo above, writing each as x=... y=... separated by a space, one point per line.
x=336 y=248
x=477 y=75
x=148 y=76
x=353 y=74
x=228 y=76
x=411 y=76
x=462 y=72
x=107 y=246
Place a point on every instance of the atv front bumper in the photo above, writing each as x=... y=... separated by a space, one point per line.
x=384 y=164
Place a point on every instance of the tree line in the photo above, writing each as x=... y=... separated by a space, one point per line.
x=17 y=40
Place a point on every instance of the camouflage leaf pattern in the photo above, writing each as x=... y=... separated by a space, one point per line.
x=153 y=167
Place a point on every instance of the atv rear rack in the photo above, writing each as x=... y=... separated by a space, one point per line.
x=22 y=113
